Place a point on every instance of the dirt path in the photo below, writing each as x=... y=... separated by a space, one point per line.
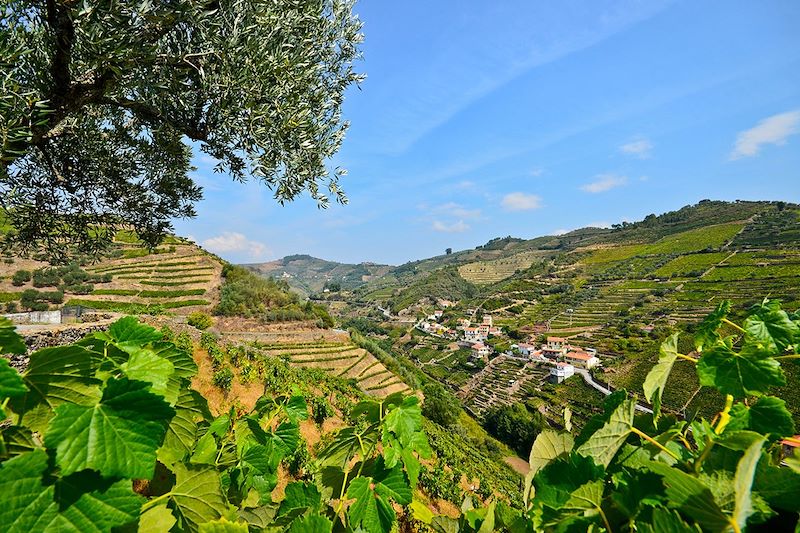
x=518 y=464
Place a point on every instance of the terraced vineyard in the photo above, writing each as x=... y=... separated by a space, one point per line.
x=183 y=278
x=340 y=358
x=504 y=381
x=486 y=272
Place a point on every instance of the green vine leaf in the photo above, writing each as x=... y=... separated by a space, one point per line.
x=768 y=416
x=56 y=376
x=606 y=441
x=129 y=335
x=190 y=409
x=223 y=526
x=692 y=496
x=197 y=496
x=743 y=482
x=770 y=327
x=145 y=365
x=707 y=331
x=548 y=446
x=311 y=524
x=10 y=340
x=656 y=379
x=11 y=384
x=372 y=509
x=86 y=502
x=739 y=374
x=156 y=520
x=117 y=437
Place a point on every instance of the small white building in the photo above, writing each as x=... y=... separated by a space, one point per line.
x=561 y=371
x=487 y=320
x=524 y=349
x=481 y=350
x=473 y=335
x=555 y=343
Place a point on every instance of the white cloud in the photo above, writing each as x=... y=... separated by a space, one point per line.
x=640 y=147
x=520 y=201
x=772 y=130
x=231 y=241
x=536 y=172
x=604 y=182
x=456 y=227
x=456 y=211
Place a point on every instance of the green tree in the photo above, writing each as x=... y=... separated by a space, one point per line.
x=515 y=425
x=440 y=406
x=101 y=104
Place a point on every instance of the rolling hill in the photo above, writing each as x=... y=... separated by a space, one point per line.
x=309 y=275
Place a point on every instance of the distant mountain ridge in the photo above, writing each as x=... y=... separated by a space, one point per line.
x=507 y=256
x=309 y=275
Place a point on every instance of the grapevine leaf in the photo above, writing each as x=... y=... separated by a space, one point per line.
x=656 y=379
x=606 y=441
x=10 y=340
x=117 y=437
x=392 y=483
x=610 y=404
x=667 y=521
x=768 y=415
x=779 y=486
x=129 y=335
x=96 y=504
x=548 y=446
x=156 y=520
x=27 y=504
x=369 y=511
x=706 y=334
x=11 y=384
x=182 y=361
x=770 y=327
x=197 y=496
x=87 y=503
x=205 y=451
x=296 y=408
x=56 y=376
x=300 y=495
x=311 y=524
x=555 y=482
x=145 y=365
x=421 y=512
x=223 y=526
x=690 y=495
x=739 y=374
x=487 y=526
x=287 y=437
x=345 y=445
x=190 y=409
x=587 y=496
x=404 y=420
x=17 y=440
x=743 y=482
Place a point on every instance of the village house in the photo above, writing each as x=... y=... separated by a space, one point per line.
x=495 y=331
x=524 y=349
x=582 y=359
x=473 y=334
x=555 y=343
x=561 y=371
x=444 y=303
x=484 y=330
x=553 y=353
x=464 y=322
x=487 y=320
x=481 y=351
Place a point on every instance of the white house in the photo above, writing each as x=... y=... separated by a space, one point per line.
x=524 y=349
x=473 y=335
x=481 y=350
x=487 y=320
x=555 y=343
x=561 y=371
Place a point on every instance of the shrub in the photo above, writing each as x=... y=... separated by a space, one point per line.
x=21 y=277
x=440 y=406
x=46 y=277
x=199 y=320
x=223 y=378
x=11 y=307
x=184 y=342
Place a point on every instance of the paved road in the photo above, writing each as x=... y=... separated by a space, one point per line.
x=587 y=377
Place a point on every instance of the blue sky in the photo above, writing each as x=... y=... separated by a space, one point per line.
x=485 y=119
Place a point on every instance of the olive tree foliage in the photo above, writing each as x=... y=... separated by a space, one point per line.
x=102 y=102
